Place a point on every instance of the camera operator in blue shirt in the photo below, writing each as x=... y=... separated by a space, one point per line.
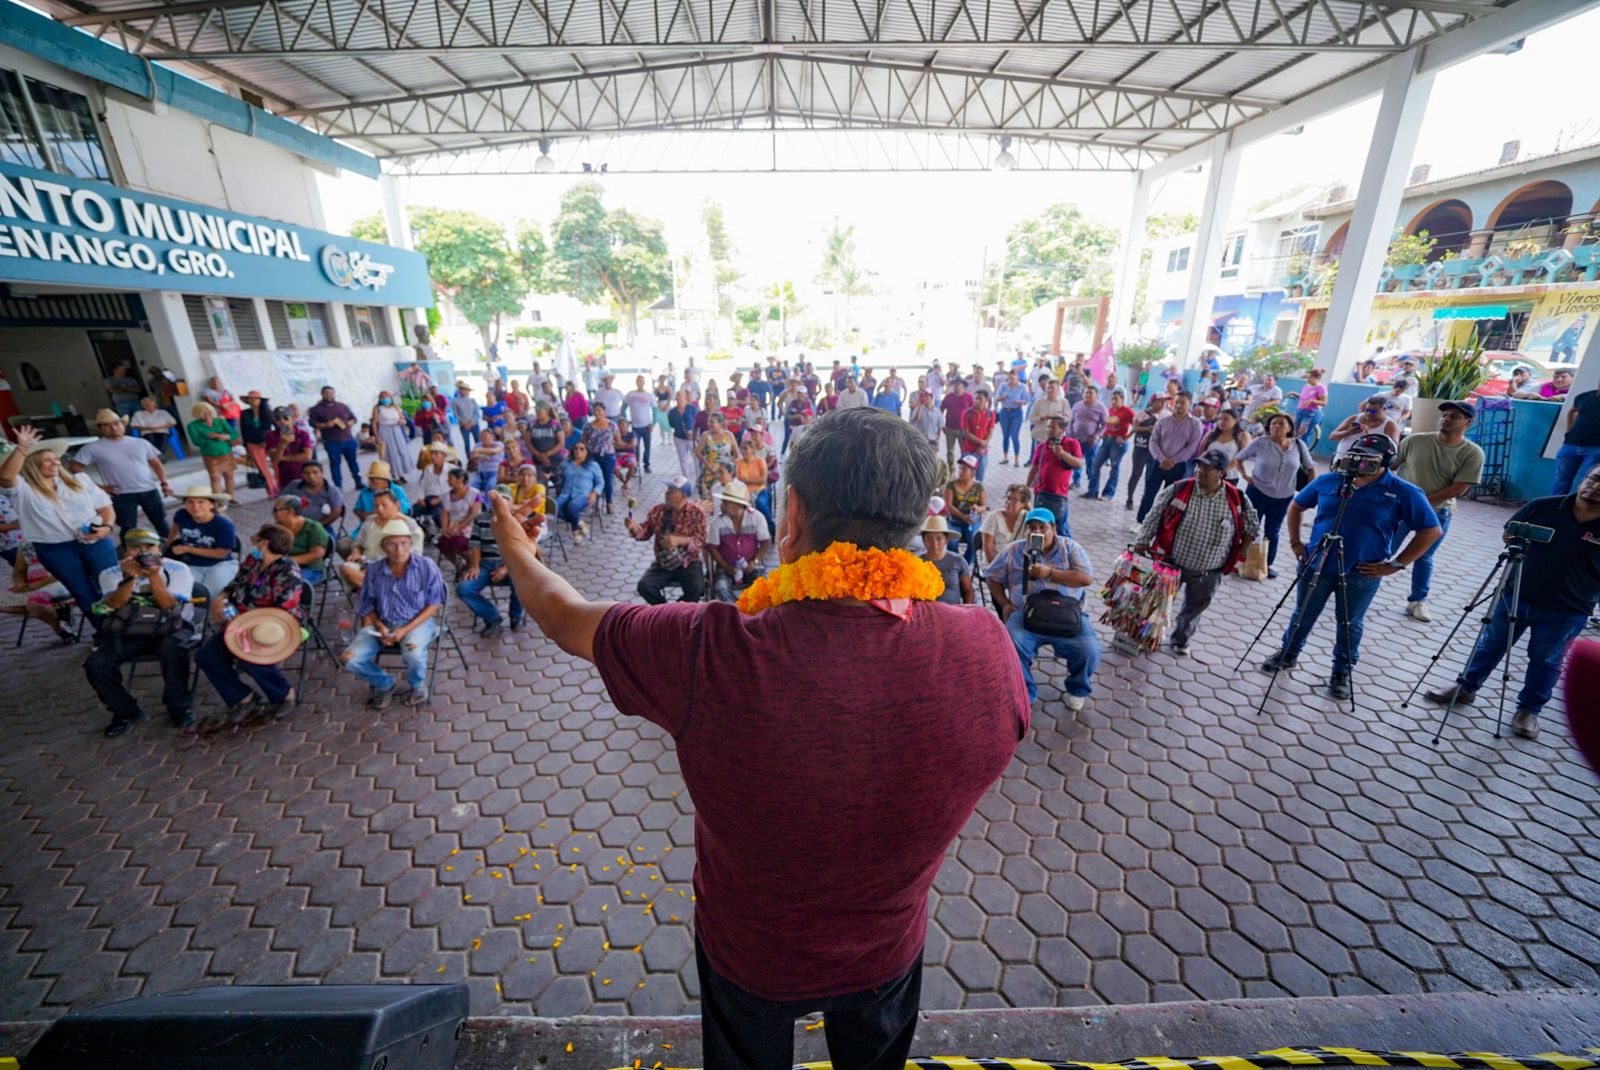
x=1380 y=505
x=1560 y=537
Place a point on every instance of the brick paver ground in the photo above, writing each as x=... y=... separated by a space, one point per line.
x=1164 y=843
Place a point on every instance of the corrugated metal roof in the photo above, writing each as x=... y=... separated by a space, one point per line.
x=400 y=76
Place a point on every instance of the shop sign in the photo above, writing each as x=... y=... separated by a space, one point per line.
x=69 y=231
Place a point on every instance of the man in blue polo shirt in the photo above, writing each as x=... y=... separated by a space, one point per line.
x=1381 y=507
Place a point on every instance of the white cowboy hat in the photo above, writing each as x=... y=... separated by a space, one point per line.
x=202 y=491
x=734 y=492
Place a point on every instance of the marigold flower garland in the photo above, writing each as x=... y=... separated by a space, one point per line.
x=844 y=570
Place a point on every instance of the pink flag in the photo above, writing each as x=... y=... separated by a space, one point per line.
x=1101 y=363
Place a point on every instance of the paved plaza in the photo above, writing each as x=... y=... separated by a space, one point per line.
x=1164 y=843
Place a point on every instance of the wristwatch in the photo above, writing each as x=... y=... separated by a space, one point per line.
x=1395 y=563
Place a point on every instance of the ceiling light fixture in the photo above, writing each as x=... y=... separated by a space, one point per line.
x=1003 y=160
x=544 y=165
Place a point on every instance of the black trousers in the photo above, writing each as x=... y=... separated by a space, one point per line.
x=1141 y=462
x=1155 y=480
x=869 y=1030
x=126 y=509
x=655 y=581
x=103 y=667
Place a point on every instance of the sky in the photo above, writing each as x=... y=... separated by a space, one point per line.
x=915 y=226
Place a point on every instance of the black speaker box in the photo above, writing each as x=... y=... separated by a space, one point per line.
x=267 y=1027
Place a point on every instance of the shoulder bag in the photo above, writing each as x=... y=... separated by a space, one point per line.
x=1308 y=469
x=1051 y=613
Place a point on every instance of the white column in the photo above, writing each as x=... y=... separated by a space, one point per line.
x=1133 y=243
x=1222 y=173
x=399 y=223
x=1383 y=183
x=174 y=338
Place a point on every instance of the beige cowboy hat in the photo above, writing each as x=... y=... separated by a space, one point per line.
x=395 y=527
x=262 y=636
x=380 y=470
x=935 y=525
x=734 y=492
x=201 y=491
x=106 y=416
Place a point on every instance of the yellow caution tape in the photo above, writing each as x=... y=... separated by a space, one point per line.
x=1278 y=1059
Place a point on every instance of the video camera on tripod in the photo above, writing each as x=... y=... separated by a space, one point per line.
x=1355 y=463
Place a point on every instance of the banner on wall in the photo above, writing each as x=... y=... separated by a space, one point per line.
x=304 y=374
x=1561 y=326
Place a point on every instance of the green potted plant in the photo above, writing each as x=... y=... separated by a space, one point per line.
x=1451 y=375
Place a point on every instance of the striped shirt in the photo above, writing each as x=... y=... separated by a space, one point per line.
x=401 y=600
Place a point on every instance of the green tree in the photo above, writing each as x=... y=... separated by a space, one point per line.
x=840 y=272
x=471 y=261
x=604 y=328
x=721 y=248
x=533 y=254
x=1058 y=253
x=371 y=228
x=1157 y=227
x=617 y=254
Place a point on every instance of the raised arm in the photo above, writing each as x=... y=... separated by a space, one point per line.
x=27 y=438
x=562 y=614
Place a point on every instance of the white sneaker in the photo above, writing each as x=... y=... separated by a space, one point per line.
x=1075 y=702
x=1181 y=649
x=1418 y=611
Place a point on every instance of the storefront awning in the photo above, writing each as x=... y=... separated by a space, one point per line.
x=1472 y=312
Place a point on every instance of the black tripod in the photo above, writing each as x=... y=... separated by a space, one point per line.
x=1508 y=569
x=1330 y=548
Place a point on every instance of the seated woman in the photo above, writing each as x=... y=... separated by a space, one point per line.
x=204 y=539
x=459 y=508
x=268 y=579
x=581 y=483
x=485 y=460
x=752 y=472
x=529 y=501
x=627 y=444
x=34 y=592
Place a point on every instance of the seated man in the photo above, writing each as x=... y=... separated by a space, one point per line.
x=1045 y=561
x=324 y=503
x=144 y=609
x=379 y=477
x=269 y=580
x=678 y=527
x=484 y=569
x=366 y=545
x=401 y=598
x=433 y=483
x=204 y=539
x=311 y=540
x=737 y=538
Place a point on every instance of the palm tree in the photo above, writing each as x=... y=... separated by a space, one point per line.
x=838 y=259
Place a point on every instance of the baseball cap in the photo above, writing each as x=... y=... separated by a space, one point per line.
x=1465 y=408
x=141 y=537
x=1213 y=459
x=969 y=460
x=1040 y=514
x=680 y=483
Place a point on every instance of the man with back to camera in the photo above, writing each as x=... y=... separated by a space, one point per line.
x=1382 y=507
x=1445 y=465
x=1560 y=587
x=797 y=910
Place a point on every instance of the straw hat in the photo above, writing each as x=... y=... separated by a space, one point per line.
x=262 y=636
x=935 y=525
x=106 y=416
x=380 y=470
x=200 y=490
x=734 y=492
x=395 y=527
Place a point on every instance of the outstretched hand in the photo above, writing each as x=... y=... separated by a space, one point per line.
x=28 y=436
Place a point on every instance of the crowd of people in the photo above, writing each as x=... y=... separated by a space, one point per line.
x=1206 y=473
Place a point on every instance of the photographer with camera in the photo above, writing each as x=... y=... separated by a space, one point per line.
x=1039 y=583
x=1445 y=464
x=143 y=609
x=1560 y=540
x=1202 y=525
x=1056 y=459
x=1366 y=508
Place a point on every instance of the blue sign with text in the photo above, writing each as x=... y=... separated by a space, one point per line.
x=73 y=232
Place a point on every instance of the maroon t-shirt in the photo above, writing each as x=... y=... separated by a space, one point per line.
x=833 y=753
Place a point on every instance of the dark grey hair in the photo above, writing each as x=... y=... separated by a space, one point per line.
x=865 y=477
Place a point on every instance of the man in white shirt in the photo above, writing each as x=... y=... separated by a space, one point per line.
x=641 y=405
x=144 y=609
x=852 y=396
x=433 y=484
x=609 y=396
x=153 y=424
x=130 y=471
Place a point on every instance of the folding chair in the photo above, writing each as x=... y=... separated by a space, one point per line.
x=65 y=602
x=308 y=598
x=445 y=632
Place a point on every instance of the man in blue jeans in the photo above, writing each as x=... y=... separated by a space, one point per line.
x=1580 y=450
x=1560 y=586
x=1381 y=504
x=401 y=599
x=1043 y=561
x=337 y=425
x=1445 y=465
x=485 y=569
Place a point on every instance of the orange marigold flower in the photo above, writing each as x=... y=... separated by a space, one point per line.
x=844 y=570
